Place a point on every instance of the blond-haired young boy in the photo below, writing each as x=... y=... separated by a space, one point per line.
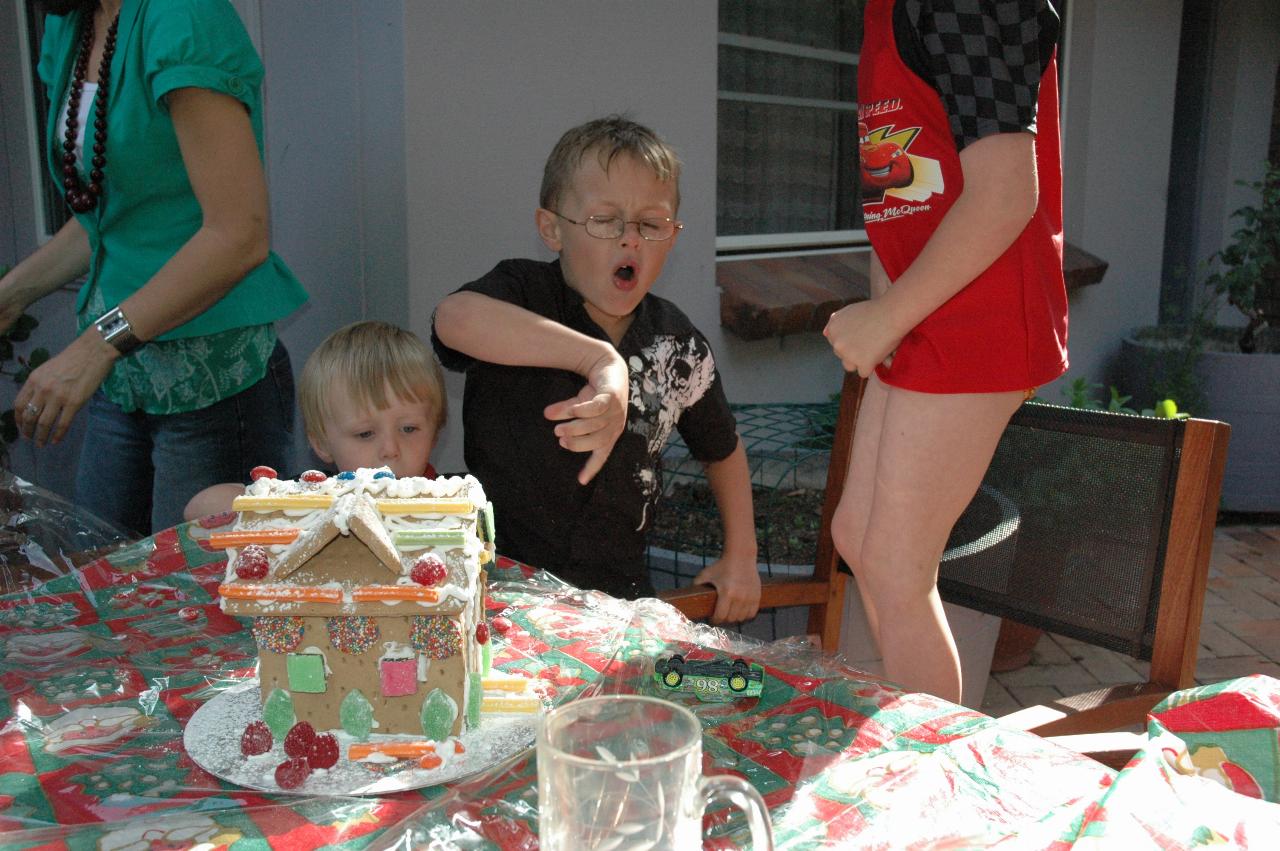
x=576 y=357
x=371 y=395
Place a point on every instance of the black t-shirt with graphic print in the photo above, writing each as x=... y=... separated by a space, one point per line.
x=592 y=536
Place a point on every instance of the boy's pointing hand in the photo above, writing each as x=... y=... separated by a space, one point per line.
x=593 y=420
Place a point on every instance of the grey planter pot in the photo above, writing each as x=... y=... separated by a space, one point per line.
x=1243 y=390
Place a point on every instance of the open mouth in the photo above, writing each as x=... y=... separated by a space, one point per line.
x=625 y=275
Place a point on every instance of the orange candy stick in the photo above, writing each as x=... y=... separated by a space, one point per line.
x=253 y=536
x=396 y=750
x=395 y=592
x=290 y=593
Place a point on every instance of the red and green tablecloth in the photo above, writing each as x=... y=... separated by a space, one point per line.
x=101 y=667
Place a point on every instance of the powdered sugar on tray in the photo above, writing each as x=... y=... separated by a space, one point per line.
x=212 y=739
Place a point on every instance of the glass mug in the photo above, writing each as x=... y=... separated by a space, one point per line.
x=625 y=771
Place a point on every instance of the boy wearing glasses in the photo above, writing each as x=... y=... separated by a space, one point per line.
x=575 y=357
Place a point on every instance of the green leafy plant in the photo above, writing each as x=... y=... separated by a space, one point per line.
x=17 y=367
x=1082 y=393
x=1248 y=269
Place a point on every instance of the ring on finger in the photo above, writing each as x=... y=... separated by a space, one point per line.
x=32 y=410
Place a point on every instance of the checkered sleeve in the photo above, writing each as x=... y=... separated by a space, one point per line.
x=987 y=57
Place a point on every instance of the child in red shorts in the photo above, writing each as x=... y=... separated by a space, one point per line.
x=961 y=181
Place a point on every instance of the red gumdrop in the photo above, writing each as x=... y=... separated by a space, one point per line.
x=501 y=624
x=298 y=741
x=252 y=562
x=262 y=471
x=482 y=633
x=291 y=773
x=429 y=570
x=324 y=751
x=313 y=476
x=256 y=739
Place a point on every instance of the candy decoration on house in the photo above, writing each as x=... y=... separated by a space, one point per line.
x=367 y=599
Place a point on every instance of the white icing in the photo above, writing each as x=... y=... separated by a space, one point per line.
x=396 y=650
x=424 y=667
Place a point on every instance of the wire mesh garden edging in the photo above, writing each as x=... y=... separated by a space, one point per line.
x=788 y=448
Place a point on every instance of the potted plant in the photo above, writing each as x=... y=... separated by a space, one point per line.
x=1229 y=373
x=19 y=370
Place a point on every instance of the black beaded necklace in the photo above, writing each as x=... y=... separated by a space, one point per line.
x=80 y=198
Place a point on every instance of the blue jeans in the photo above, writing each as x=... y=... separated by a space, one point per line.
x=139 y=470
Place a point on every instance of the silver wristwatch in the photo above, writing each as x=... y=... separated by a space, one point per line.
x=115 y=329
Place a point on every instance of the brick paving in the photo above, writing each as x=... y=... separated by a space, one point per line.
x=1240 y=633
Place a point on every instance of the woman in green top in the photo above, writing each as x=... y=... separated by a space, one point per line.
x=155 y=135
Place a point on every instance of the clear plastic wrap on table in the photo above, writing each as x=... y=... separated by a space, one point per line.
x=43 y=536
x=102 y=665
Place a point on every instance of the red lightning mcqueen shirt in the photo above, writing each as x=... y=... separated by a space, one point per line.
x=1007 y=329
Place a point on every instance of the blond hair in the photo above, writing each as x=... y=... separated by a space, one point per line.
x=607 y=137
x=367 y=358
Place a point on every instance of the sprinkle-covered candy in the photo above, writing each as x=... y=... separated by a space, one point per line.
x=292 y=773
x=384 y=474
x=352 y=633
x=298 y=742
x=262 y=471
x=256 y=739
x=436 y=634
x=482 y=633
x=252 y=562
x=429 y=570
x=324 y=752
x=313 y=476
x=346 y=476
x=278 y=633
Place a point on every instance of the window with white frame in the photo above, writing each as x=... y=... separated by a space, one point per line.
x=787 y=146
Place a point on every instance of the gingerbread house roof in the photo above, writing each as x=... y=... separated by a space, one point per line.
x=354 y=514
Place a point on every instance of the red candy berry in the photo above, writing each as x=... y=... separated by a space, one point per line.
x=324 y=752
x=501 y=624
x=482 y=633
x=256 y=739
x=298 y=741
x=291 y=773
x=313 y=476
x=262 y=471
x=252 y=562
x=429 y=570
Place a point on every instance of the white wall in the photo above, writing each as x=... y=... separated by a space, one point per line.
x=491 y=85
x=1122 y=66
x=334 y=132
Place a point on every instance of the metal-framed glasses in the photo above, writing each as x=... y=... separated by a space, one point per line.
x=613 y=227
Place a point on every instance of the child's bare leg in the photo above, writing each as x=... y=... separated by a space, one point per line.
x=849 y=525
x=933 y=452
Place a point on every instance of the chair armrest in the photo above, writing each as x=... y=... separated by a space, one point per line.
x=697 y=602
x=1096 y=711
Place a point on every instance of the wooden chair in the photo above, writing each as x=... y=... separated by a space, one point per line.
x=1115 y=533
x=1115 y=530
x=823 y=592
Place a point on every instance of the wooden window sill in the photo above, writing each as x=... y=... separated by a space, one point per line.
x=772 y=297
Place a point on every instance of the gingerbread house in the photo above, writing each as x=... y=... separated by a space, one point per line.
x=365 y=590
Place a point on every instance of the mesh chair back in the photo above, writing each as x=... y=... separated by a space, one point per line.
x=1080 y=502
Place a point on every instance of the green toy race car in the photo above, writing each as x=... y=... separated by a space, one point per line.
x=710 y=679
